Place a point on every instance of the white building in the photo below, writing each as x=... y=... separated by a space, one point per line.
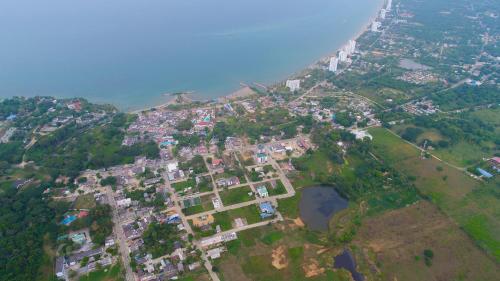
x=351 y=47
x=375 y=26
x=342 y=56
x=334 y=62
x=124 y=202
x=382 y=13
x=389 y=5
x=172 y=167
x=293 y=85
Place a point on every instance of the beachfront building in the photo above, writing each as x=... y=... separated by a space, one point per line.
x=334 y=62
x=382 y=14
x=342 y=56
x=375 y=26
x=389 y=5
x=351 y=47
x=293 y=85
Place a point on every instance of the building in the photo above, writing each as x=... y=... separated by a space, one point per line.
x=342 y=56
x=350 y=47
x=262 y=191
x=484 y=173
x=60 y=270
x=334 y=62
x=389 y=5
x=124 y=203
x=382 y=14
x=375 y=26
x=261 y=158
x=266 y=210
x=216 y=203
x=216 y=239
x=293 y=85
x=172 y=167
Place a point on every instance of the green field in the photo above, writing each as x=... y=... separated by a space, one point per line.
x=225 y=219
x=106 y=274
x=278 y=190
x=251 y=256
x=206 y=205
x=180 y=186
x=86 y=201
x=236 y=195
x=475 y=206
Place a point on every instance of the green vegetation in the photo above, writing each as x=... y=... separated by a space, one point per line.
x=25 y=218
x=197 y=164
x=236 y=195
x=74 y=148
x=159 y=239
x=272 y=237
x=113 y=273
x=471 y=204
x=225 y=219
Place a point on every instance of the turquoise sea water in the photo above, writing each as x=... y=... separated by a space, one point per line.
x=129 y=52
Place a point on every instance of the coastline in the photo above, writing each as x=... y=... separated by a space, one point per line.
x=237 y=93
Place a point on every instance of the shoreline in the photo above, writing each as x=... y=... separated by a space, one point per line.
x=234 y=94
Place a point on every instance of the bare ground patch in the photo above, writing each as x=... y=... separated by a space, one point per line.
x=398 y=238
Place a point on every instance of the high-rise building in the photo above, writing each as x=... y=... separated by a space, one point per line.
x=342 y=55
x=352 y=46
x=334 y=62
x=375 y=26
x=293 y=85
x=389 y=5
x=382 y=14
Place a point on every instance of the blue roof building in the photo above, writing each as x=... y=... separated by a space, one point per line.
x=484 y=173
x=266 y=210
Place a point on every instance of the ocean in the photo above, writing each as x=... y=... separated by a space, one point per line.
x=130 y=52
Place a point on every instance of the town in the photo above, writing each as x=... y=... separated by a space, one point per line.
x=166 y=192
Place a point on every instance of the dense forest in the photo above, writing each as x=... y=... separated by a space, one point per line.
x=26 y=218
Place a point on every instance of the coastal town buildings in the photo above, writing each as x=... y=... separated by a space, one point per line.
x=334 y=62
x=293 y=85
x=342 y=56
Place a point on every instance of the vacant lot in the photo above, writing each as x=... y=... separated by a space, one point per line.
x=236 y=195
x=277 y=252
x=397 y=239
x=113 y=273
x=475 y=206
x=86 y=201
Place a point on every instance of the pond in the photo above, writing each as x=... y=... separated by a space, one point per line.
x=347 y=262
x=318 y=204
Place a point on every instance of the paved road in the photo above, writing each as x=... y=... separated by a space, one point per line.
x=120 y=237
x=178 y=210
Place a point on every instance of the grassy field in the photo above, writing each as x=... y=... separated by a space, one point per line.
x=236 y=195
x=206 y=205
x=464 y=154
x=475 y=206
x=225 y=219
x=278 y=190
x=277 y=252
x=113 y=273
x=86 y=201
x=395 y=241
x=180 y=186
x=289 y=207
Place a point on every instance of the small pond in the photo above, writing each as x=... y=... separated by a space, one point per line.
x=347 y=262
x=318 y=204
